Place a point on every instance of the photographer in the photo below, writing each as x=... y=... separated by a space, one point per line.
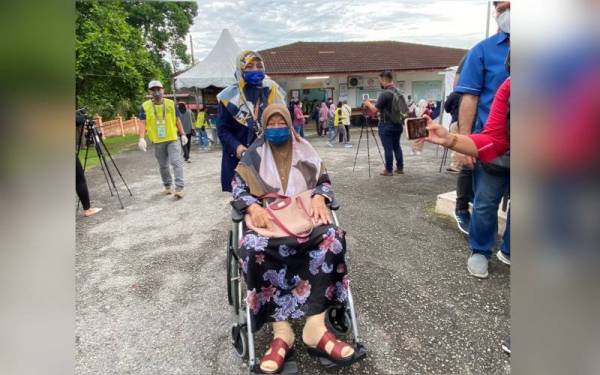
x=389 y=129
x=80 y=182
x=82 y=190
x=160 y=119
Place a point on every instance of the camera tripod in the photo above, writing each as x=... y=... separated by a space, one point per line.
x=369 y=129
x=94 y=137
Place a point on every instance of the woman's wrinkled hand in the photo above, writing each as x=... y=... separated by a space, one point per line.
x=320 y=210
x=259 y=216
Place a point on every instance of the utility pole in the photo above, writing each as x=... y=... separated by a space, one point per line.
x=173 y=78
x=192 y=51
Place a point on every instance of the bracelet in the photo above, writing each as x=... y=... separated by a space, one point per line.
x=454 y=141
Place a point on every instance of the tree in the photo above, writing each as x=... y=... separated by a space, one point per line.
x=121 y=46
x=164 y=26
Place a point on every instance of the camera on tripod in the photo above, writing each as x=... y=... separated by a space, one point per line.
x=93 y=140
x=87 y=123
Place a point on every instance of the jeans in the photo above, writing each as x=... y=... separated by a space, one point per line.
x=483 y=230
x=299 y=129
x=390 y=139
x=330 y=131
x=464 y=189
x=169 y=153
x=202 y=137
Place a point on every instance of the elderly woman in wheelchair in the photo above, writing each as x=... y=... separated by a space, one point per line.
x=291 y=252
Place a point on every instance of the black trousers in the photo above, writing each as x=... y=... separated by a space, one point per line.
x=81 y=185
x=464 y=189
x=186 y=148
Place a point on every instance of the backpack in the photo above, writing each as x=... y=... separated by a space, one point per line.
x=399 y=108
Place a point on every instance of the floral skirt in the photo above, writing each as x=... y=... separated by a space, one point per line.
x=289 y=279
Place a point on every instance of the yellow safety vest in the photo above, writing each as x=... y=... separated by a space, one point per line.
x=201 y=119
x=157 y=130
x=337 y=118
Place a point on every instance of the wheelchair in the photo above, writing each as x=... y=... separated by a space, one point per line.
x=340 y=319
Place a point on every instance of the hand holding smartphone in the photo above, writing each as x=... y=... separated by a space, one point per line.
x=417 y=128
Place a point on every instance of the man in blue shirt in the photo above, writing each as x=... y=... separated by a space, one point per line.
x=483 y=72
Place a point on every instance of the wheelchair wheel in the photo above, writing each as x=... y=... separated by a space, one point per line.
x=239 y=339
x=233 y=277
x=229 y=268
x=338 y=320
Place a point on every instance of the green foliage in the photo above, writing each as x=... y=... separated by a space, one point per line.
x=121 y=46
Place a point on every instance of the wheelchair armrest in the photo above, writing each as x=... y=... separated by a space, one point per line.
x=236 y=215
x=334 y=205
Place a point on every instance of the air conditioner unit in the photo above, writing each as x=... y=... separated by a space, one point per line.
x=354 y=81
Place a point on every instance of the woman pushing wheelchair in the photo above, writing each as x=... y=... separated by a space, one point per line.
x=291 y=253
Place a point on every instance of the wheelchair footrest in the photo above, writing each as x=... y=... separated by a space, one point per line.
x=360 y=353
x=289 y=367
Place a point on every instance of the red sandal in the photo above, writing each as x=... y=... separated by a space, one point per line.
x=274 y=356
x=336 y=352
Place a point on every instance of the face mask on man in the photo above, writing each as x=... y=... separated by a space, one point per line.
x=254 y=77
x=277 y=136
x=503 y=20
x=157 y=95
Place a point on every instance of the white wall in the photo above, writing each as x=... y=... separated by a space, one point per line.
x=299 y=82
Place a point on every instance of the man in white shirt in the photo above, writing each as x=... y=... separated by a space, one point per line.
x=346 y=113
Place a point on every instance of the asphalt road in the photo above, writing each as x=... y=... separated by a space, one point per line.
x=151 y=292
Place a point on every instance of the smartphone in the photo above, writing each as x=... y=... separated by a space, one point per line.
x=417 y=128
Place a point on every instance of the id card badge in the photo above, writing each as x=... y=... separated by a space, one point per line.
x=161 y=129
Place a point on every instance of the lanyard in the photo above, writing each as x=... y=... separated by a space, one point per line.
x=253 y=112
x=164 y=111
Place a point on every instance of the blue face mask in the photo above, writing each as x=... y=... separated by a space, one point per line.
x=254 y=77
x=277 y=136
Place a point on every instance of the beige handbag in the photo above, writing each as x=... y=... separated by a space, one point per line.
x=290 y=216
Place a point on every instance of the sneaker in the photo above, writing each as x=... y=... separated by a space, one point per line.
x=506 y=345
x=329 y=144
x=92 y=211
x=348 y=145
x=189 y=161
x=179 y=192
x=386 y=173
x=504 y=258
x=399 y=171
x=167 y=190
x=452 y=170
x=478 y=265
x=463 y=220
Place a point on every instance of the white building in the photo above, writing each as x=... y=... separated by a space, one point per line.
x=349 y=70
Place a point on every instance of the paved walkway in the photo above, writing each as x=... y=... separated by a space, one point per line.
x=151 y=292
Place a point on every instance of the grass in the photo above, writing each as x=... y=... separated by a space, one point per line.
x=115 y=145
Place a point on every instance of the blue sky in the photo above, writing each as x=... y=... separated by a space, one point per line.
x=260 y=24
